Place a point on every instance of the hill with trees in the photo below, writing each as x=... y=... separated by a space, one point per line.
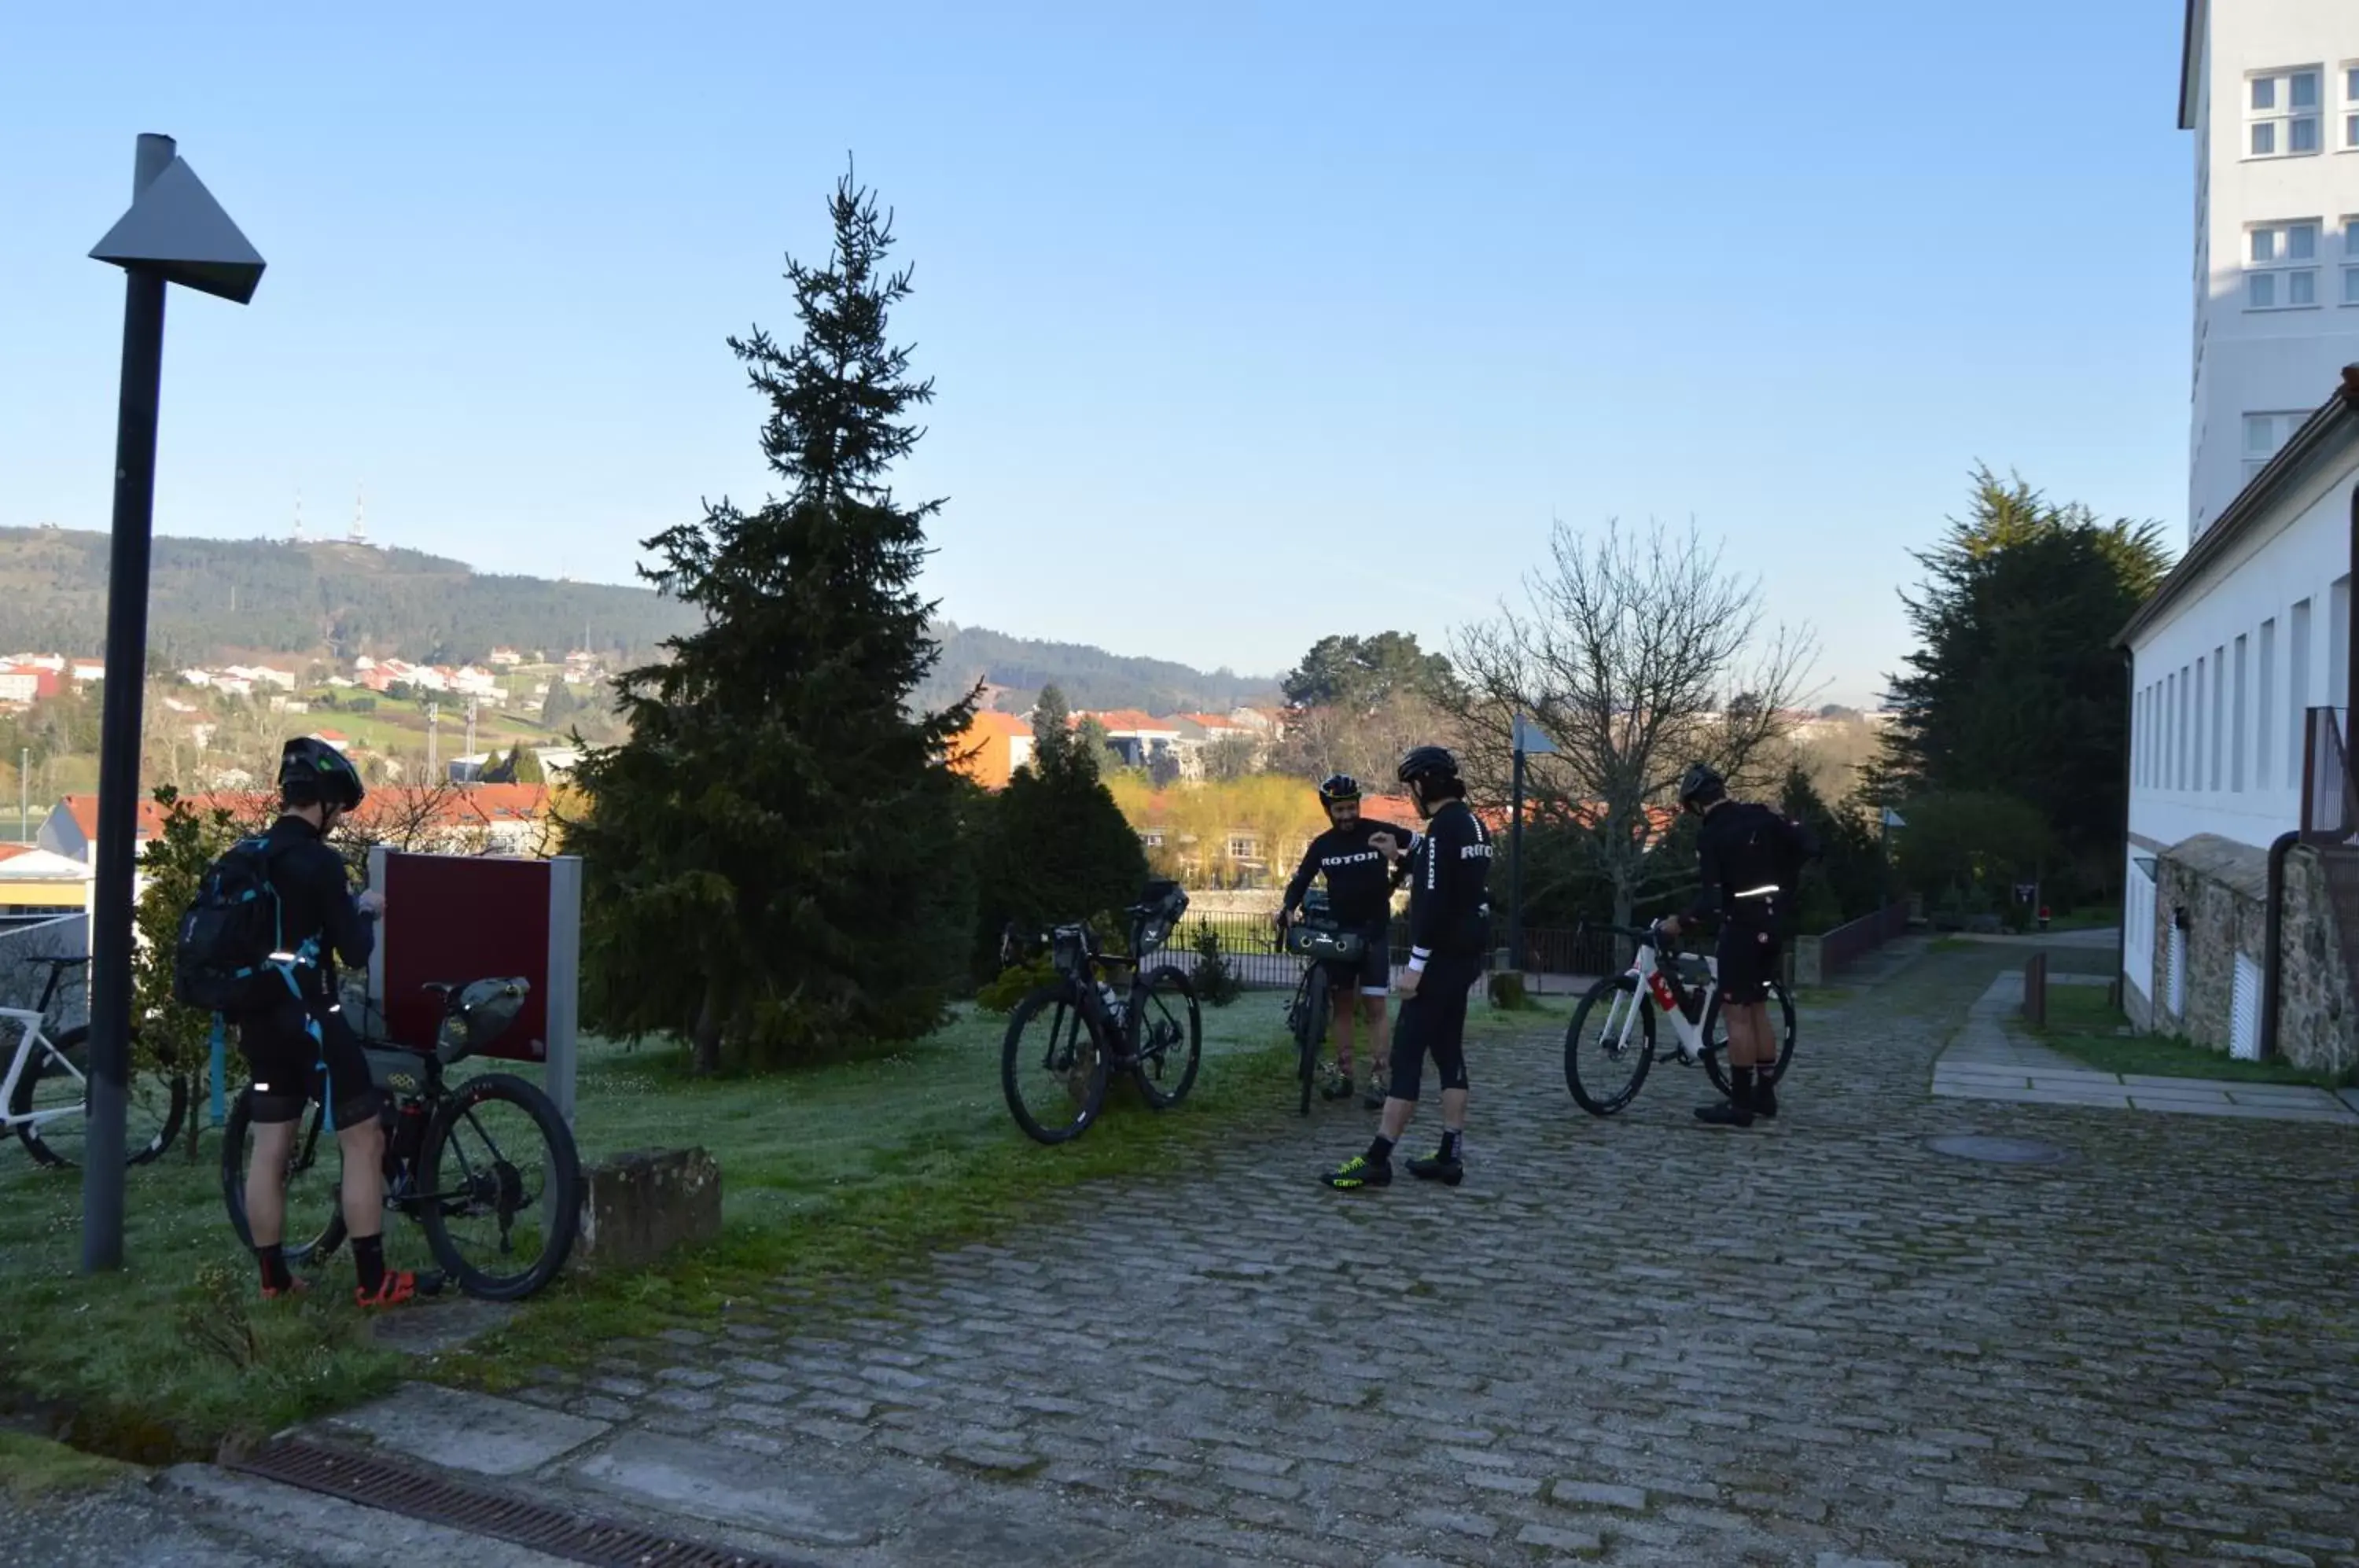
x=213 y=600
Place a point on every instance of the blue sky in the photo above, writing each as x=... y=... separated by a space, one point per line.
x=1250 y=323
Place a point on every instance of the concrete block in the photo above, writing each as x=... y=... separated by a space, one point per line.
x=637 y=1206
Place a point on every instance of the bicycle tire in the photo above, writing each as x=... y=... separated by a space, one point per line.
x=1317 y=1003
x=560 y=1204
x=1715 y=1044
x=1093 y=1084
x=308 y=1153
x=141 y=1143
x=1600 y=1104
x=1153 y=1070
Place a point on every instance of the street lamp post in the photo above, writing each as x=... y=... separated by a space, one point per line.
x=174 y=233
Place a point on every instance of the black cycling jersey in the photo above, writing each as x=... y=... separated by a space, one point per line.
x=1358 y=878
x=1742 y=851
x=315 y=903
x=1450 y=874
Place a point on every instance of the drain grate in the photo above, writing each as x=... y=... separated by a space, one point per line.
x=420 y=1494
x=2001 y=1151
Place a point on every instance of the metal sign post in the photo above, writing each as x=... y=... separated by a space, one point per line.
x=174 y=233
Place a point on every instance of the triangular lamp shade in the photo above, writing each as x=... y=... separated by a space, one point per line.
x=175 y=227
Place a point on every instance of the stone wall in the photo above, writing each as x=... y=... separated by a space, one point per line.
x=2315 y=1015
x=2221 y=885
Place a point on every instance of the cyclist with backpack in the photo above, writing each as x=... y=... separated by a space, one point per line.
x=1752 y=859
x=1352 y=854
x=259 y=946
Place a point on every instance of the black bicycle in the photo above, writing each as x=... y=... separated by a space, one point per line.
x=1056 y=1075
x=1607 y=1053
x=46 y=1087
x=1319 y=941
x=500 y=1208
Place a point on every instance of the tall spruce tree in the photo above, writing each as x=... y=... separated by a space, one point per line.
x=2015 y=687
x=772 y=857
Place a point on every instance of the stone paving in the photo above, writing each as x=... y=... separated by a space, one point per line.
x=1987 y=1061
x=1632 y=1341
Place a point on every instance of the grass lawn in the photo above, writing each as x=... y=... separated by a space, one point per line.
x=33 y=1468
x=830 y=1175
x=2081 y=1024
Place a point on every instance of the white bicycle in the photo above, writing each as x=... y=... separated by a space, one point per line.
x=1610 y=1045
x=47 y=1090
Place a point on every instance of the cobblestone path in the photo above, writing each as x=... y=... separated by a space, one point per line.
x=1631 y=1341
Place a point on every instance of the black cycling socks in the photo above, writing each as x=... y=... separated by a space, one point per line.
x=1452 y=1144
x=1380 y=1152
x=272 y=1259
x=368 y=1261
x=1740 y=1087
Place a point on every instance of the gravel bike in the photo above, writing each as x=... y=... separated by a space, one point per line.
x=1610 y=1045
x=47 y=1090
x=1315 y=938
x=1055 y=1075
x=500 y=1210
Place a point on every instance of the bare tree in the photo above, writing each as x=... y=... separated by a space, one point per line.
x=1637 y=654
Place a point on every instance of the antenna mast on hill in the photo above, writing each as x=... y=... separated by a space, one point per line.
x=297 y=536
x=360 y=520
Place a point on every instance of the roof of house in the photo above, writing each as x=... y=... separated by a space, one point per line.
x=2331 y=433
x=1129 y=720
x=988 y=721
x=450 y=806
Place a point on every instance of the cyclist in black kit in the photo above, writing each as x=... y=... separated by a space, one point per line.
x=1355 y=856
x=303 y=1037
x=1743 y=851
x=1449 y=927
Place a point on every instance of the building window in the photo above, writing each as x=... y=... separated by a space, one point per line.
x=2350 y=107
x=2282 y=114
x=2265 y=707
x=2264 y=433
x=1243 y=848
x=2351 y=261
x=2297 y=687
x=2281 y=265
x=2219 y=714
x=2236 y=725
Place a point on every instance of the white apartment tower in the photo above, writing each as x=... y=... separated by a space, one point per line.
x=2271 y=89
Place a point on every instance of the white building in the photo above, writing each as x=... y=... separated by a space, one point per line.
x=2240 y=818
x=2271 y=89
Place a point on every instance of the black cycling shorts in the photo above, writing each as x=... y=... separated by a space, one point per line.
x=284 y=1055
x=1750 y=957
x=1372 y=971
x=1434 y=1023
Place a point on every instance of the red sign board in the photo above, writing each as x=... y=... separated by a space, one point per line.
x=462 y=919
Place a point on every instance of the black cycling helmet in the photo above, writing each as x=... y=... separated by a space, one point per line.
x=1702 y=787
x=312 y=772
x=1429 y=762
x=1338 y=787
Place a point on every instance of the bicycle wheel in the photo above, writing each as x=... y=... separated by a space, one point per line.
x=1310 y=1028
x=501 y=1183
x=314 y=1184
x=54 y=1090
x=1716 y=1038
x=1055 y=1075
x=1171 y=1038
x=1607 y=1060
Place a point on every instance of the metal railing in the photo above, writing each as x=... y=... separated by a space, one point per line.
x=2330 y=797
x=1854 y=939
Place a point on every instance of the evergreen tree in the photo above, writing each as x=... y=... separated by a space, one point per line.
x=1053 y=847
x=772 y=856
x=559 y=705
x=2015 y=687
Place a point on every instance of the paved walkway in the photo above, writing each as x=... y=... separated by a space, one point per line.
x=2145 y=1354
x=1989 y=1061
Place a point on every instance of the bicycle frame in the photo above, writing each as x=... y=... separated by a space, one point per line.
x=29 y=1038
x=1646 y=974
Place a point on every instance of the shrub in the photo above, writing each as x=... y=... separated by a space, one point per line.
x=1015 y=982
x=1216 y=984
